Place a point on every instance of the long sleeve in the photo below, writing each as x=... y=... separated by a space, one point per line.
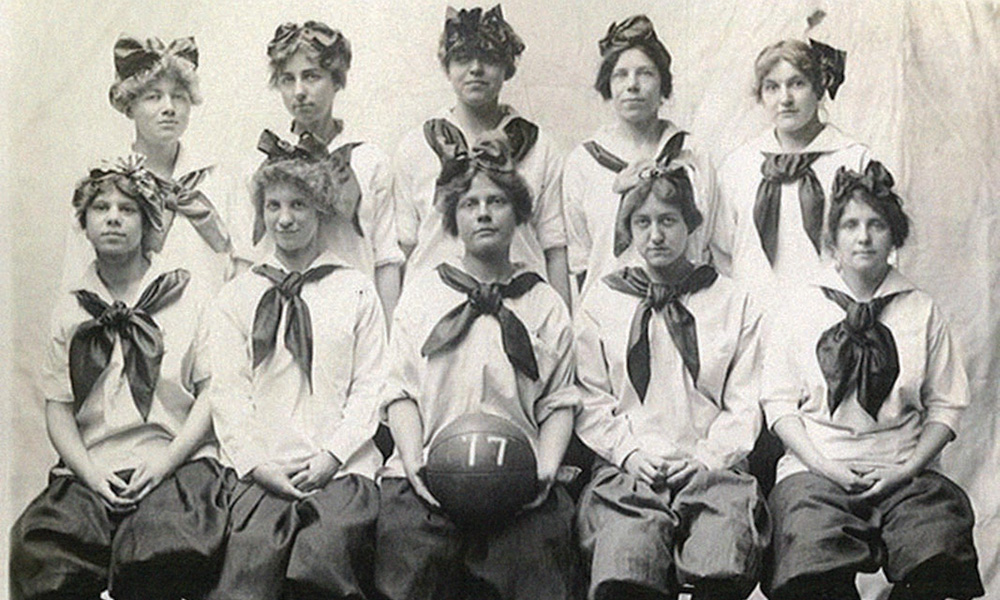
x=404 y=195
x=598 y=424
x=548 y=219
x=945 y=390
x=360 y=411
x=721 y=223
x=384 y=234
x=559 y=391
x=231 y=385
x=579 y=241
x=732 y=434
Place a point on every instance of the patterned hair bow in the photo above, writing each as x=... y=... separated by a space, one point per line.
x=877 y=181
x=133 y=179
x=636 y=30
x=333 y=48
x=473 y=29
x=831 y=64
x=499 y=152
x=133 y=57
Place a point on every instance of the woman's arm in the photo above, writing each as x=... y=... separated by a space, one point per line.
x=553 y=438
x=793 y=433
x=557 y=269
x=883 y=482
x=408 y=433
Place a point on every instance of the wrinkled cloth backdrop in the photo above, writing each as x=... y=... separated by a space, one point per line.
x=923 y=89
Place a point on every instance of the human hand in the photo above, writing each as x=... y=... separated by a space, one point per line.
x=679 y=472
x=276 y=477
x=645 y=467
x=885 y=481
x=546 y=479
x=851 y=480
x=106 y=484
x=319 y=470
x=149 y=474
x=414 y=469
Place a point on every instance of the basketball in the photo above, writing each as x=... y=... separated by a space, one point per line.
x=481 y=468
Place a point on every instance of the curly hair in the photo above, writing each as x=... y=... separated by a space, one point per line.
x=124 y=92
x=336 y=60
x=890 y=209
x=311 y=178
x=796 y=53
x=510 y=183
x=89 y=189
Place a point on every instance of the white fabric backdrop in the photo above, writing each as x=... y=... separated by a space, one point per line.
x=923 y=89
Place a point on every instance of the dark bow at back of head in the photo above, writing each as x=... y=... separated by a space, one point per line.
x=832 y=63
x=876 y=180
x=135 y=180
x=474 y=29
x=636 y=30
x=134 y=56
x=329 y=43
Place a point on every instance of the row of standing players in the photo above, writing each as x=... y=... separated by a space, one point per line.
x=659 y=373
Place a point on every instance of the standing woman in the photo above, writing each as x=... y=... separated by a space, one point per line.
x=155 y=86
x=478 y=52
x=774 y=189
x=635 y=77
x=309 y=65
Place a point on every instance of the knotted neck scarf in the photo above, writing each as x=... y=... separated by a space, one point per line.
x=663 y=298
x=485 y=299
x=778 y=169
x=858 y=354
x=287 y=289
x=181 y=196
x=141 y=339
x=631 y=175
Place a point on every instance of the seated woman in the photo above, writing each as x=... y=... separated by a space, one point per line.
x=138 y=492
x=309 y=65
x=155 y=86
x=865 y=389
x=479 y=334
x=667 y=359
x=295 y=415
x=635 y=77
x=774 y=190
x=478 y=52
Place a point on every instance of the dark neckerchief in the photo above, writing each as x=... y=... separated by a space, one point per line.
x=287 y=289
x=182 y=197
x=485 y=299
x=665 y=299
x=776 y=170
x=858 y=353
x=141 y=339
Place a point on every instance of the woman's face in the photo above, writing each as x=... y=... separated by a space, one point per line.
x=635 y=87
x=485 y=218
x=476 y=80
x=161 y=111
x=659 y=233
x=864 y=240
x=307 y=90
x=290 y=218
x=789 y=98
x=113 y=224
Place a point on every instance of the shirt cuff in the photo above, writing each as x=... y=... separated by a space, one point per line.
x=775 y=410
x=623 y=450
x=948 y=416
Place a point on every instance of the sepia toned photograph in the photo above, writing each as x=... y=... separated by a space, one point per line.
x=519 y=300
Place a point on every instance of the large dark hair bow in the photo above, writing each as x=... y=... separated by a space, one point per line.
x=636 y=30
x=133 y=56
x=328 y=42
x=498 y=152
x=474 y=29
x=832 y=63
x=876 y=180
x=133 y=179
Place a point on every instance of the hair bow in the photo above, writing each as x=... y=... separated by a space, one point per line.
x=308 y=148
x=134 y=180
x=492 y=152
x=478 y=30
x=831 y=64
x=633 y=31
x=328 y=42
x=133 y=56
x=876 y=180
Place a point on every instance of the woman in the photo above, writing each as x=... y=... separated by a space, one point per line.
x=635 y=77
x=774 y=189
x=478 y=52
x=138 y=496
x=155 y=86
x=309 y=65
x=865 y=391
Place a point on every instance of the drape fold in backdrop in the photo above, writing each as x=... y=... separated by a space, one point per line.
x=922 y=89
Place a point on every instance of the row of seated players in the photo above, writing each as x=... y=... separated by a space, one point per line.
x=666 y=375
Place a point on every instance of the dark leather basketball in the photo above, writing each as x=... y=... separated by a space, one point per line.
x=481 y=468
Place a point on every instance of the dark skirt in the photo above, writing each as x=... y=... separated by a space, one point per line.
x=319 y=547
x=712 y=533
x=68 y=542
x=920 y=535
x=423 y=555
